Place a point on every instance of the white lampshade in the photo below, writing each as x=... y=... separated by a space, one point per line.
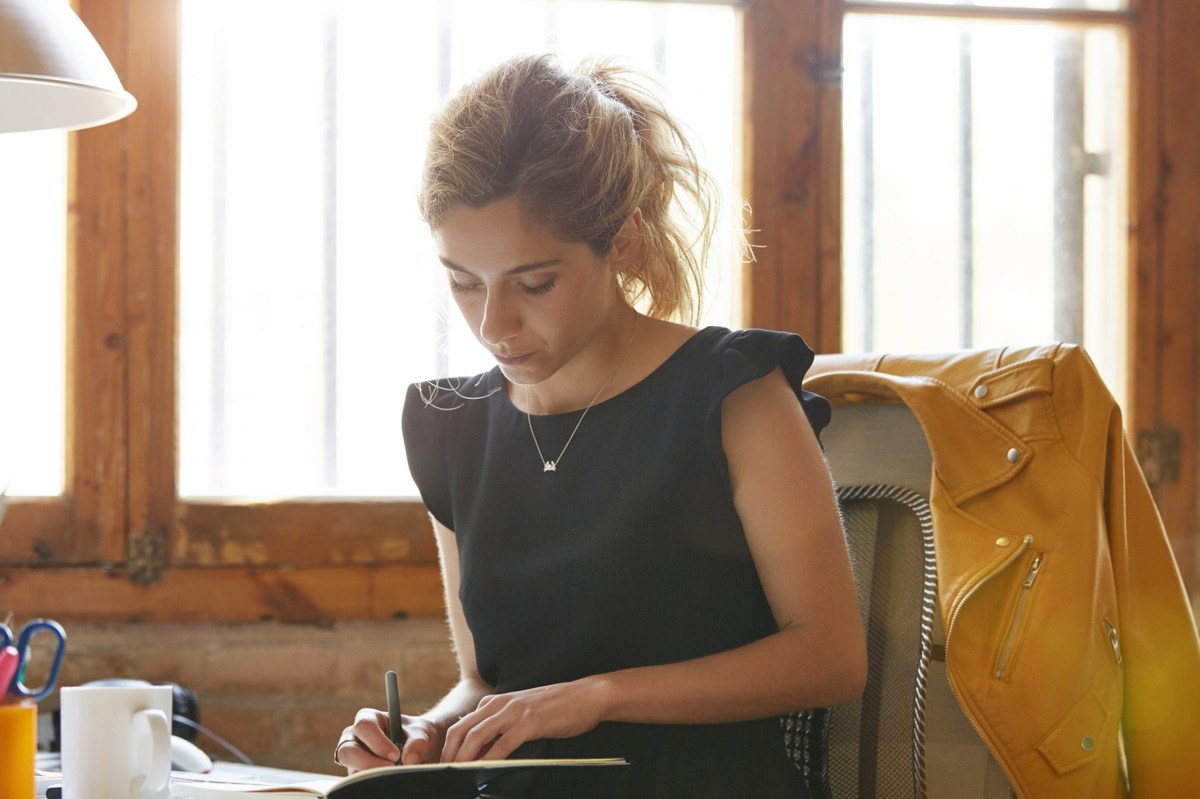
x=53 y=74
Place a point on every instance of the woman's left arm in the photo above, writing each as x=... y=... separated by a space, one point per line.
x=784 y=495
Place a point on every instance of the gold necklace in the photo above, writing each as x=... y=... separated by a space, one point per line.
x=552 y=466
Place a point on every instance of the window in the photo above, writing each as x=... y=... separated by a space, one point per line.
x=33 y=246
x=310 y=295
x=101 y=517
x=986 y=177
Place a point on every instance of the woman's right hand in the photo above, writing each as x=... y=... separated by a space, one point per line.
x=365 y=743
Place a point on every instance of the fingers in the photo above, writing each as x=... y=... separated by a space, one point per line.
x=353 y=755
x=497 y=727
x=501 y=723
x=493 y=732
x=371 y=728
x=416 y=750
x=456 y=734
x=366 y=743
x=503 y=746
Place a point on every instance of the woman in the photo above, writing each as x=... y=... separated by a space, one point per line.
x=639 y=541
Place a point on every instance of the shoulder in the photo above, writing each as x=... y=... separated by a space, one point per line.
x=452 y=393
x=722 y=347
x=433 y=407
x=438 y=416
x=743 y=357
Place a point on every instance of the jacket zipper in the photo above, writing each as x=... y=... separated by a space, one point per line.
x=1122 y=757
x=1019 y=616
x=1025 y=544
x=1113 y=641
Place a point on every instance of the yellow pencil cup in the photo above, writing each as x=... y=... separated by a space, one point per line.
x=18 y=744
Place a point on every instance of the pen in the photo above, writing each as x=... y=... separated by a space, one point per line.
x=395 y=723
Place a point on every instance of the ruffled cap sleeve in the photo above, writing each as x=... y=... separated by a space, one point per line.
x=748 y=355
x=424 y=425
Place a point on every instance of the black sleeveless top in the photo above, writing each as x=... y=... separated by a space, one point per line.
x=630 y=554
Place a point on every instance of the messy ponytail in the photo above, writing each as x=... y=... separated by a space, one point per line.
x=580 y=151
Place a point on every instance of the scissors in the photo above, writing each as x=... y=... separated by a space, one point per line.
x=15 y=654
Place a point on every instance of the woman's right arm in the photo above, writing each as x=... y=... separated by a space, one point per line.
x=424 y=734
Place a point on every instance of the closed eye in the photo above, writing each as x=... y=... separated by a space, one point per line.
x=541 y=288
x=464 y=288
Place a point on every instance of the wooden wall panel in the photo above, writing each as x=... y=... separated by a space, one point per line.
x=230 y=594
x=1165 y=345
x=793 y=168
x=39 y=531
x=150 y=69
x=302 y=534
x=97 y=340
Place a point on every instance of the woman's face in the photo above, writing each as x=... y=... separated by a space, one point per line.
x=534 y=301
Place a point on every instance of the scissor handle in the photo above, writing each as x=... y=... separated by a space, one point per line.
x=18 y=686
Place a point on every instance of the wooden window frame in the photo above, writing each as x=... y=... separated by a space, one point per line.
x=793 y=157
x=120 y=546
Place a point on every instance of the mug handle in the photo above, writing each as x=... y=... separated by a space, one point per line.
x=152 y=784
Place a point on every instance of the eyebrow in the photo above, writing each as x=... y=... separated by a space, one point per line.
x=516 y=270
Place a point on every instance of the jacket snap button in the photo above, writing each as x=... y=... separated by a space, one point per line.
x=1002 y=542
x=981 y=391
x=1087 y=744
x=1014 y=455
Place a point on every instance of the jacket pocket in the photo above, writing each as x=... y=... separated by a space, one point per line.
x=1010 y=642
x=1076 y=740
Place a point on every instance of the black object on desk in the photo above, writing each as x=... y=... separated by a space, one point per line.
x=510 y=781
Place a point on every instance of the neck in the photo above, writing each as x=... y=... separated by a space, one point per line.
x=591 y=379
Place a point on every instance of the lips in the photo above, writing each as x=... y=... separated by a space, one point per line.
x=512 y=360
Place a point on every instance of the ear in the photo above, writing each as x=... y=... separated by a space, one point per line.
x=627 y=244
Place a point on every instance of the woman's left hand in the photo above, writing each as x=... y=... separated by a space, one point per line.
x=502 y=722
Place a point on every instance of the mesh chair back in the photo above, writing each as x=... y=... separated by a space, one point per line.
x=907 y=736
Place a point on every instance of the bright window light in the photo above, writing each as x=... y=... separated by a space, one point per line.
x=33 y=257
x=984 y=194
x=310 y=295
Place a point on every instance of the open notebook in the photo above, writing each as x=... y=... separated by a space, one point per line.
x=442 y=780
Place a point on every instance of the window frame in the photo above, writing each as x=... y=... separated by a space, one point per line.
x=120 y=545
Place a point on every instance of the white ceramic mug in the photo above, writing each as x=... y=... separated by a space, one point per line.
x=116 y=742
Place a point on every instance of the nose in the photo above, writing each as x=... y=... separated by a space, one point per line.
x=501 y=318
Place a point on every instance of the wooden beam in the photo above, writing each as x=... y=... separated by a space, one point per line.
x=97 y=339
x=150 y=70
x=791 y=142
x=1164 y=358
x=38 y=531
x=226 y=594
x=301 y=533
x=1180 y=287
x=994 y=13
x=828 y=282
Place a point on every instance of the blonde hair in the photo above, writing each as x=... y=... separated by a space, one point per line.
x=580 y=150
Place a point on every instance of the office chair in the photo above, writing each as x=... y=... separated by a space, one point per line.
x=907 y=736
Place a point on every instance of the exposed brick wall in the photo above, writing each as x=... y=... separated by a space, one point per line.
x=279 y=692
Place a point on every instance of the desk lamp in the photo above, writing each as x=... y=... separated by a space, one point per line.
x=53 y=74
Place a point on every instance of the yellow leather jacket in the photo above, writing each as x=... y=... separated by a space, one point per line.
x=1033 y=476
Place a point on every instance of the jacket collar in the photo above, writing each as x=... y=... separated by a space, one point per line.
x=950 y=395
